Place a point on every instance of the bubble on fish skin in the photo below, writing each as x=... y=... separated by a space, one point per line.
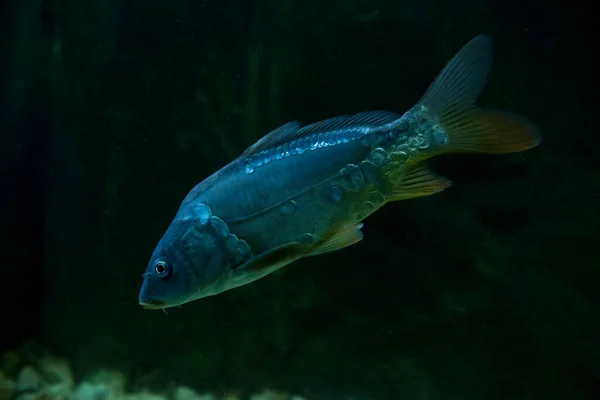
x=403 y=123
x=402 y=139
x=393 y=175
x=376 y=198
x=395 y=172
x=335 y=138
x=249 y=168
x=382 y=138
x=352 y=177
x=418 y=141
x=322 y=139
x=307 y=239
x=300 y=146
x=420 y=130
x=289 y=207
x=391 y=167
x=425 y=142
x=392 y=135
x=440 y=136
x=305 y=143
x=412 y=141
x=330 y=139
x=279 y=153
x=368 y=139
x=314 y=140
x=267 y=157
x=219 y=227
x=403 y=147
x=371 y=172
x=231 y=242
x=202 y=212
x=334 y=193
x=399 y=156
x=319 y=141
x=197 y=238
x=377 y=156
x=243 y=249
x=367 y=208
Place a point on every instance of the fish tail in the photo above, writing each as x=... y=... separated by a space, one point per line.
x=461 y=127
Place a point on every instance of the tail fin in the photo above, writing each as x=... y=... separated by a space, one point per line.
x=451 y=97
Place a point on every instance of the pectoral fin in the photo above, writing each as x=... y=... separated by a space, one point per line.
x=276 y=258
x=279 y=257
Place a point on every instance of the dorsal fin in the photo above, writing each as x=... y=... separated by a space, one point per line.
x=290 y=131
x=365 y=119
x=273 y=138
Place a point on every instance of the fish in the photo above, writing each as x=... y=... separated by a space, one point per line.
x=302 y=191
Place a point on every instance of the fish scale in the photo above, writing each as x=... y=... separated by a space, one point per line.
x=311 y=143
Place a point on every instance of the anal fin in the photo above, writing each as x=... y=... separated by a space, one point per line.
x=343 y=237
x=418 y=181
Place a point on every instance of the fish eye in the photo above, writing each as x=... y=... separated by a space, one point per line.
x=162 y=269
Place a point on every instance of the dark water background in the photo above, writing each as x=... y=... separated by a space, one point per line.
x=112 y=110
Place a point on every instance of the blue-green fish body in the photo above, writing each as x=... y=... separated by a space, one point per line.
x=303 y=191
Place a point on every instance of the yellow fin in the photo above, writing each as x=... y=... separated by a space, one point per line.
x=279 y=257
x=276 y=258
x=418 y=181
x=450 y=100
x=343 y=237
x=487 y=131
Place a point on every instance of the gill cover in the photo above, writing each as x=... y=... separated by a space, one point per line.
x=197 y=250
x=203 y=221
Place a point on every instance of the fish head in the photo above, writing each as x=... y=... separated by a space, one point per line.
x=188 y=262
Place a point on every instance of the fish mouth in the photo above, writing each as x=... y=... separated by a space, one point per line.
x=152 y=304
